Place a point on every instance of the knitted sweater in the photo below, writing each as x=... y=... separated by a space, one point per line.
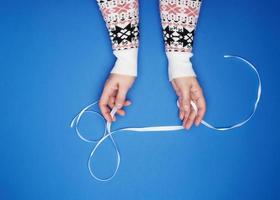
x=178 y=19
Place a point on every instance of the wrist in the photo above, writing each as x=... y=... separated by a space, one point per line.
x=126 y=63
x=179 y=65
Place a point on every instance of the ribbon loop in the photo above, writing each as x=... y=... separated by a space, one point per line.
x=108 y=134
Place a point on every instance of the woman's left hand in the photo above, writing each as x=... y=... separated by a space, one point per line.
x=187 y=90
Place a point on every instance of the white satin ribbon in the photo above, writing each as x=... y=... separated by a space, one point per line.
x=109 y=134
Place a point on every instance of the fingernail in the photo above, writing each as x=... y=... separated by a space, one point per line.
x=119 y=106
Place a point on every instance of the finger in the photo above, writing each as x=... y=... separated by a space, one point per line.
x=104 y=100
x=181 y=110
x=189 y=122
x=121 y=111
x=105 y=110
x=201 y=106
x=197 y=96
x=186 y=103
x=121 y=97
x=111 y=102
x=112 y=105
x=127 y=103
x=181 y=114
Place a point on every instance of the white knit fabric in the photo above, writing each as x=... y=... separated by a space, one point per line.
x=178 y=18
x=126 y=63
x=179 y=65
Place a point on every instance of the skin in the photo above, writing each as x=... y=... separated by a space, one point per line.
x=186 y=88
x=114 y=93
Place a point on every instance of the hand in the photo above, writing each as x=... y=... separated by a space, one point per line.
x=188 y=89
x=114 y=94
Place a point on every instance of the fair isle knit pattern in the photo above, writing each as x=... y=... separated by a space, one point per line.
x=179 y=19
x=121 y=17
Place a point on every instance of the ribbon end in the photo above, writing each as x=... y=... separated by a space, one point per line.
x=72 y=123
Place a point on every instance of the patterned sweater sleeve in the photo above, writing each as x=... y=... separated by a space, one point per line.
x=179 y=19
x=121 y=17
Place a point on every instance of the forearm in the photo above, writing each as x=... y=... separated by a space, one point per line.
x=179 y=19
x=121 y=17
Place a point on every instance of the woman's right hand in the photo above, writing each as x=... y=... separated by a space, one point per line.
x=114 y=94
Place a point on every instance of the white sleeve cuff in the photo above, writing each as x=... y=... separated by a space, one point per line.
x=179 y=65
x=126 y=63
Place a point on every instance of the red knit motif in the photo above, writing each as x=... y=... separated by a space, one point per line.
x=179 y=18
x=121 y=18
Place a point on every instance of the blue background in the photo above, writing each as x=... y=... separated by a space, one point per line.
x=54 y=58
